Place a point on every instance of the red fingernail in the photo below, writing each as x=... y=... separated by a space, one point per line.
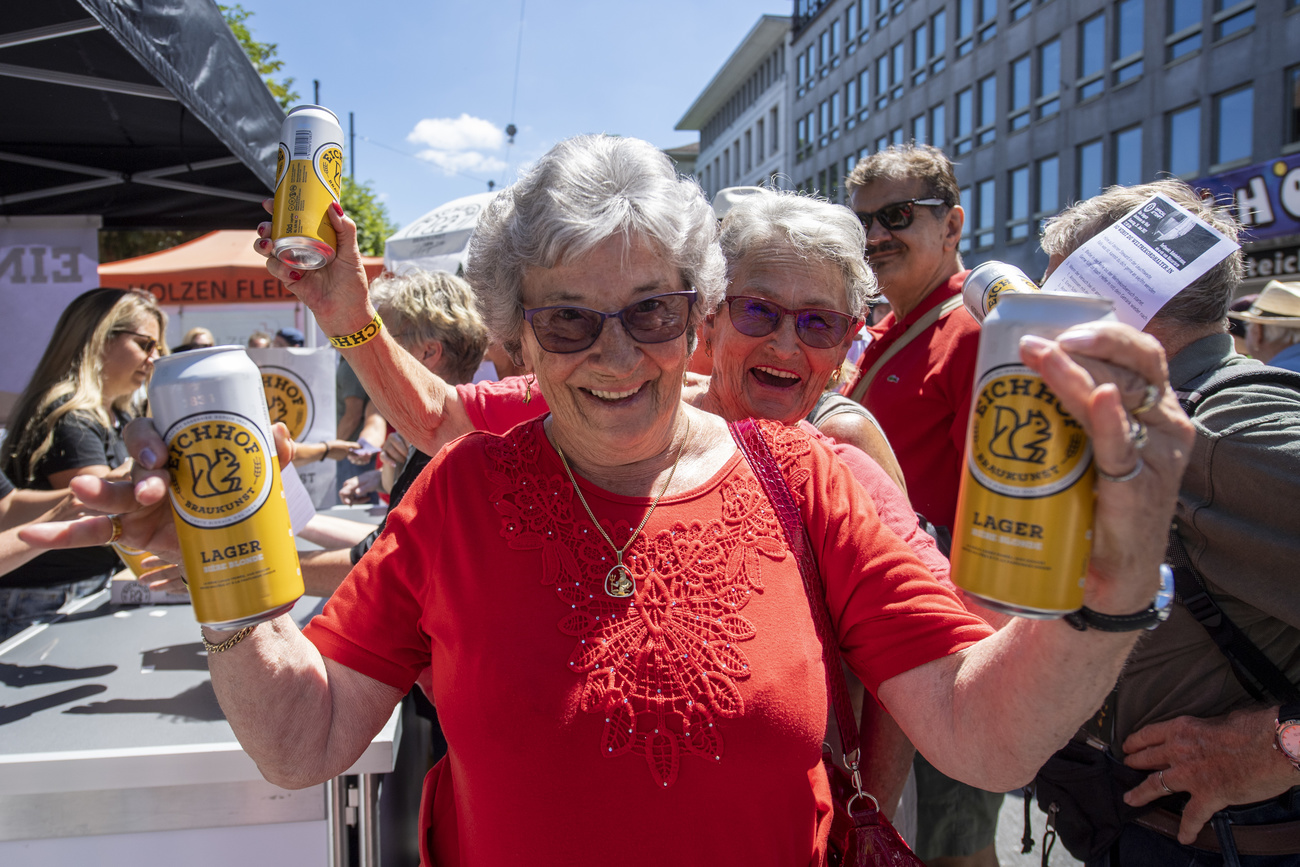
x=338 y=209
x=295 y=275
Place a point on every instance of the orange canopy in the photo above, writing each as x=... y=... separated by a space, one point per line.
x=217 y=268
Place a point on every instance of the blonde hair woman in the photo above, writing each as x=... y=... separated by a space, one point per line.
x=67 y=423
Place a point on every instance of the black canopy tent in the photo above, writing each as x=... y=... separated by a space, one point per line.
x=146 y=112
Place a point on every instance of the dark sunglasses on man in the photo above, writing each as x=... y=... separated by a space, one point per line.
x=653 y=319
x=146 y=343
x=897 y=215
x=816 y=327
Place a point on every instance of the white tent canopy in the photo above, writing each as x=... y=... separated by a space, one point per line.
x=438 y=241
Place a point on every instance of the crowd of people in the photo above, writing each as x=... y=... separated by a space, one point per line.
x=582 y=570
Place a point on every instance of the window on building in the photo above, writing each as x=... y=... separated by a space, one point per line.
x=938 y=126
x=967 y=205
x=726 y=166
x=986 y=130
x=854 y=26
x=1128 y=156
x=760 y=139
x=938 y=43
x=1088 y=169
x=1020 y=92
x=836 y=117
x=1128 y=40
x=864 y=93
x=882 y=81
x=1021 y=8
x=1231 y=17
x=1184 y=33
x=1049 y=78
x=897 y=70
x=801 y=72
x=1234 y=116
x=965 y=26
x=1018 y=204
x=823 y=123
x=988 y=11
x=803 y=137
x=920 y=53
x=882 y=143
x=1092 y=56
x=965 y=120
x=1049 y=186
x=897 y=136
x=1292 y=110
x=736 y=146
x=824 y=54
x=985 y=207
x=1183 y=141
x=918 y=129
x=749 y=151
x=776 y=132
x=851 y=103
x=836 y=43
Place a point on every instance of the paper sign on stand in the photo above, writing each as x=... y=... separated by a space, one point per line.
x=1142 y=261
x=299 y=387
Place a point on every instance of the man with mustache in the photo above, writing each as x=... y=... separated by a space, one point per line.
x=916 y=377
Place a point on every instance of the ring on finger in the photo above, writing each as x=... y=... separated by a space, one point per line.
x=117 y=528
x=1149 y=399
x=1126 y=477
x=1137 y=433
x=1163 y=784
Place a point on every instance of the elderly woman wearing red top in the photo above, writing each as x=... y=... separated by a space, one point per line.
x=672 y=709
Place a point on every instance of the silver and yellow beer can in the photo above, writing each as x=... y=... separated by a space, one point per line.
x=308 y=179
x=231 y=514
x=988 y=282
x=1025 y=509
x=134 y=559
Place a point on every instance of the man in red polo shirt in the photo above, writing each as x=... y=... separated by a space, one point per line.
x=916 y=377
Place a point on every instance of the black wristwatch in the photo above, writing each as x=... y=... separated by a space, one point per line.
x=1149 y=618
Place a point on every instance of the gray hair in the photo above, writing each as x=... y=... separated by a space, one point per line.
x=582 y=192
x=434 y=305
x=812 y=229
x=1204 y=302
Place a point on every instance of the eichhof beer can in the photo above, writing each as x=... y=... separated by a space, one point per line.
x=134 y=559
x=986 y=283
x=1024 y=521
x=231 y=514
x=308 y=179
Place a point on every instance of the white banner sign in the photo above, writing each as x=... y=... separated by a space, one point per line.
x=299 y=386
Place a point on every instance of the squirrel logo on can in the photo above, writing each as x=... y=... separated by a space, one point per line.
x=220 y=469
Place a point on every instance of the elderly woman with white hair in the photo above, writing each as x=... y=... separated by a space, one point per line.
x=622 y=652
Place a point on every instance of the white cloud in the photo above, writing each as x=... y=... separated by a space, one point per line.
x=464 y=133
x=465 y=161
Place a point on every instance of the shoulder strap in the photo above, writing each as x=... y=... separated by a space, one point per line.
x=756 y=450
x=1254 y=374
x=1258 y=674
x=931 y=316
x=831 y=404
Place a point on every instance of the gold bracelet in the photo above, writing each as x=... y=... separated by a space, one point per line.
x=366 y=334
x=229 y=642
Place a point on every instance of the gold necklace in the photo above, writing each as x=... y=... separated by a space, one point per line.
x=619 y=582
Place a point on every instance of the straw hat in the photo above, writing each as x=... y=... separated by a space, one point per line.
x=1278 y=304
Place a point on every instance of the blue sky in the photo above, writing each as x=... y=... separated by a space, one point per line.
x=431 y=84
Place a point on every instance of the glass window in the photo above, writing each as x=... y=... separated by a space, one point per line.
x=864 y=93
x=965 y=26
x=1089 y=169
x=988 y=109
x=1128 y=156
x=824 y=54
x=897 y=136
x=852 y=102
x=988 y=19
x=749 y=150
x=897 y=69
x=760 y=139
x=1230 y=16
x=1292 y=94
x=938 y=126
x=918 y=129
x=801 y=71
x=1184 y=34
x=965 y=119
x=835 y=43
x=968 y=206
x=1049 y=185
x=801 y=137
x=882 y=81
x=1092 y=55
x=835 y=115
x=824 y=123
x=776 y=134
x=1128 y=39
x=920 y=53
x=985 y=205
x=882 y=143
x=1021 y=9
x=1049 y=78
x=854 y=19
x=938 y=35
x=1020 y=92
x=1233 y=118
x=1183 y=140
x=1018 y=205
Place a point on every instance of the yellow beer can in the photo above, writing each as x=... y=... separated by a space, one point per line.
x=987 y=282
x=308 y=179
x=231 y=514
x=1025 y=509
x=134 y=559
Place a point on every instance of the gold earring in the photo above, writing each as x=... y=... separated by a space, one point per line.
x=835 y=377
x=708 y=348
x=528 y=390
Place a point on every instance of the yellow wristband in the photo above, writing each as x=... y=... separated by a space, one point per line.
x=370 y=332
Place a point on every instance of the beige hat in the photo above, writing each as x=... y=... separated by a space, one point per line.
x=1278 y=304
x=725 y=198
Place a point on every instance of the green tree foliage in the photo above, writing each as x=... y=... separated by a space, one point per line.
x=115 y=244
x=262 y=54
x=373 y=224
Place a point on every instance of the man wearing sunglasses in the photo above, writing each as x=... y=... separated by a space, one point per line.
x=915 y=377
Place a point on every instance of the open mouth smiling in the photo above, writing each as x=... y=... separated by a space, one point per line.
x=770 y=376
x=613 y=396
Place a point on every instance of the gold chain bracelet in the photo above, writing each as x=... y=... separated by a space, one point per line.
x=356 y=338
x=229 y=642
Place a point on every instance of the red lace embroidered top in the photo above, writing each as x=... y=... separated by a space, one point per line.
x=680 y=726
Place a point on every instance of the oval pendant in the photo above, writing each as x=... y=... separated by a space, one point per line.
x=619 y=583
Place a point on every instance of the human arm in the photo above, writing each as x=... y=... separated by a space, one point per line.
x=374 y=430
x=60 y=506
x=993 y=713
x=310 y=453
x=1220 y=761
x=415 y=400
x=886 y=756
x=354 y=409
x=324 y=571
x=395 y=451
x=359 y=488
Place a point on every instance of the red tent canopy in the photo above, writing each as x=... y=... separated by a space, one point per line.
x=218 y=268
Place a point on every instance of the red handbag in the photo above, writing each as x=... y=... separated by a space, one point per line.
x=861 y=835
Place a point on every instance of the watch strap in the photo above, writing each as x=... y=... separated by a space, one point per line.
x=1289 y=712
x=1148 y=618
